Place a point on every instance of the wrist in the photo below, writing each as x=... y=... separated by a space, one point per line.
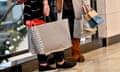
x=45 y=2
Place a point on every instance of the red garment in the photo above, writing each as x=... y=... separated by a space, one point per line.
x=34 y=22
x=21 y=1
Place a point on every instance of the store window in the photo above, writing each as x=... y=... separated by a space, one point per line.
x=3 y=7
x=84 y=40
x=94 y=6
x=13 y=33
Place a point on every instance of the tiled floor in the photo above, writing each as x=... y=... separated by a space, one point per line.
x=105 y=59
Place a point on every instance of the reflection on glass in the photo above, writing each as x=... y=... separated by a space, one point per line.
x=5 y=64
x=3 y=6
x=13 y=33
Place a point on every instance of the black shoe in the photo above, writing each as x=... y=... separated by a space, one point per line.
x=46 y=68
x=66 y=65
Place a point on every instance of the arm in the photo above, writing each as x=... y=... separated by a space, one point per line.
x=46 y=8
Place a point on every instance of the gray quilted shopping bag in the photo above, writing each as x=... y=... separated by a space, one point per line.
x=50 y=37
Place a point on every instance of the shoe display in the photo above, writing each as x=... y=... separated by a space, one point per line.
x=66 y=65
x=46 y=68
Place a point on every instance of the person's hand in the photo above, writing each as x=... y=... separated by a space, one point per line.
x=46 y=8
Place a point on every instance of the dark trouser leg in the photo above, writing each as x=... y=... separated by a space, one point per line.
x=53 y=10
x=42 y=58
x=69 y=14
x=59 y=56
x=43 y=63
x=60 y=63
x=51 y=59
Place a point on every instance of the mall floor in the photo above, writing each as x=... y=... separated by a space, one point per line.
x=106 y=59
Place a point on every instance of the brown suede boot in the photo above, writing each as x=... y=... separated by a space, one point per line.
x=76 y=50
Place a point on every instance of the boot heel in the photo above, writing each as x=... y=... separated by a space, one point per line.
x=80 y=59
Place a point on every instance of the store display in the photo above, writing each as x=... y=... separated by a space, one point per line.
x=10 y=37
x=11 y=34
x=92 y=16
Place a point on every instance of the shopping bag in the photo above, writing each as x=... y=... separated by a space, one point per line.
x=49 y=37
x=94 y=19
x=92 y=16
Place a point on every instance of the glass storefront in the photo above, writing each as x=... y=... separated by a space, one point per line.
x=93 y=37
x=13 y=33
x=3 y=7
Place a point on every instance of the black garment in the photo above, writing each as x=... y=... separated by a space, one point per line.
x=53 y=10
x=68 y=12
x=57 y=57
x=67 y=4
x=33 y=9
x=70 y=15
x=42 y=58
